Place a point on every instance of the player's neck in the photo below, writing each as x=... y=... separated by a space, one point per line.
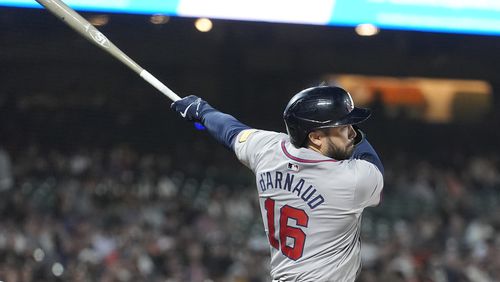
x=314 y=148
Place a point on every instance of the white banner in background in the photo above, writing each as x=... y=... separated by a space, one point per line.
x=290 y=11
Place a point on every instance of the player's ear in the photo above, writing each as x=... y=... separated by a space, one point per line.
x=316 y=138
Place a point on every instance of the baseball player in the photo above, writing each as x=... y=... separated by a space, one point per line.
x=313 y=183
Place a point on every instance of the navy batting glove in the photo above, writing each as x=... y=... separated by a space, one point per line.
x=189 y=107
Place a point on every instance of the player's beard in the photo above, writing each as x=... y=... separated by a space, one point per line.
x=337 y=153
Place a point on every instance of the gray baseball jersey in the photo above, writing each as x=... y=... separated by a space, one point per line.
x=311 y=206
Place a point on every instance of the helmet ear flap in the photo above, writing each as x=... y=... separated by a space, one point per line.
x=295 y=130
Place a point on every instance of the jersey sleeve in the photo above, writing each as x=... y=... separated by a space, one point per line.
x=250 y=144
x=369 y=184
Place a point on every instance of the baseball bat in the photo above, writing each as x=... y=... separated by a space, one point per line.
x=87 y=30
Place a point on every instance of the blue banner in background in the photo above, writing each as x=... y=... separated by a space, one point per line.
x=167 y=7
x=456 y=16
x=462 y=16
x=151 y=6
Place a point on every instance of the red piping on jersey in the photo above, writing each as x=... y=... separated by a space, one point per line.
x=290 y=156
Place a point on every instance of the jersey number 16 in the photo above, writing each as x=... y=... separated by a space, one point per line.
x=285 y=231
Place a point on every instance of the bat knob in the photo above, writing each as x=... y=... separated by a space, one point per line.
x=199 y=126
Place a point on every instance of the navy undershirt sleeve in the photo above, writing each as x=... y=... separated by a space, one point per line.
x=223 y=127
x=365 y=151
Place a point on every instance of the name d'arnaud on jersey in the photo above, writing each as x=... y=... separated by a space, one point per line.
x=292 y=184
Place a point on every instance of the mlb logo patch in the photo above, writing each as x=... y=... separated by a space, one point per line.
x=294 y=167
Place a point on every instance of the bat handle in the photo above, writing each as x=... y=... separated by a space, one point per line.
x=166 y=91
x=159 y=85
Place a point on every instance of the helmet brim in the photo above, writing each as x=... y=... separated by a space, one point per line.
x=357 y=115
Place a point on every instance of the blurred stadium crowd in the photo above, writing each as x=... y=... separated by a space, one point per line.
x=120 y=214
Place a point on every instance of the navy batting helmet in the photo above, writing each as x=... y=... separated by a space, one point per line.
x=320 y=107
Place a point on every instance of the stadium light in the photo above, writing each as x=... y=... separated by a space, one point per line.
x=99 y=20
x=203 y=24
x=159 y=19
x=367 y=30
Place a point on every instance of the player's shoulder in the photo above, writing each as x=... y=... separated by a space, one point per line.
x=369 y=183
x=251 y=144
x=353 y=170
x=362 y=170
x=254 y=135
x=360 y=165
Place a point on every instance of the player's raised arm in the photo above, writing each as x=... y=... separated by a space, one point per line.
x=223 y=127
